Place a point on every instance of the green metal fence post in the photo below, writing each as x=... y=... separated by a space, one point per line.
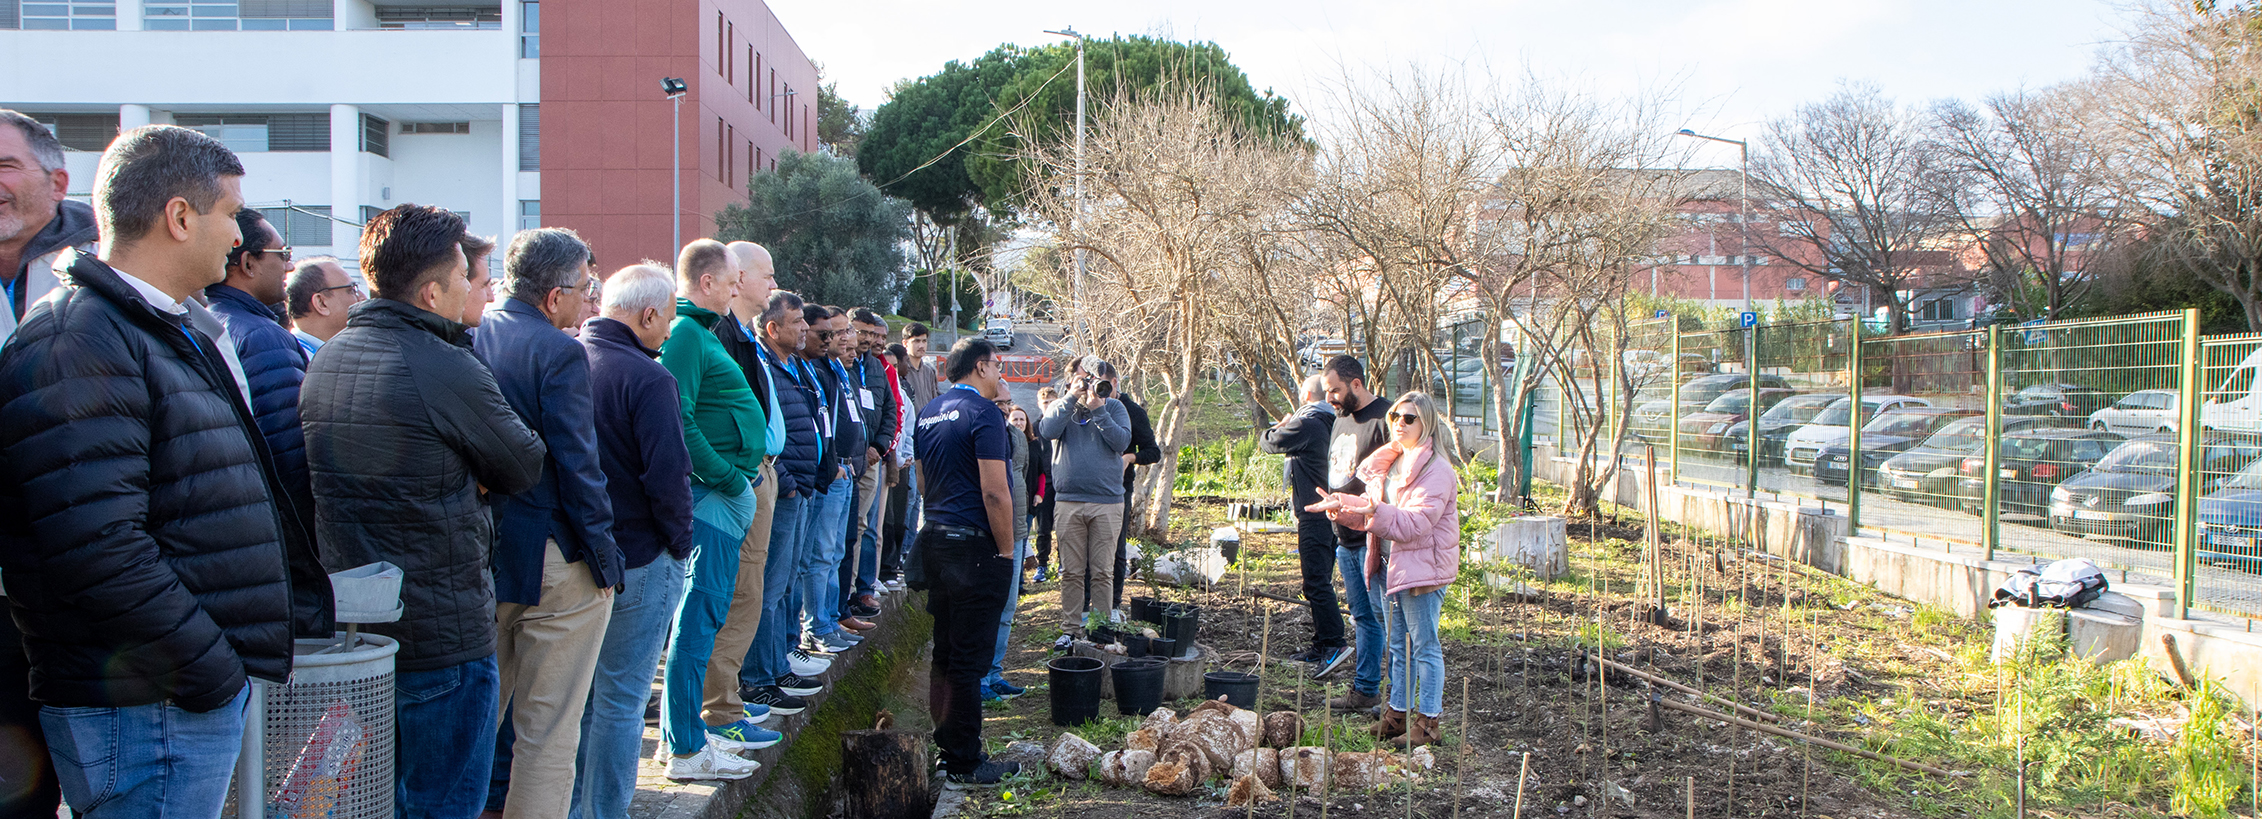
x=1751 y=413
x=1991 y=536
x=2190 y=441
x=1853 y=436
x=1673 y=422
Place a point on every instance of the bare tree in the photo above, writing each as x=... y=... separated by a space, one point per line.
x=1181 y=201
x=1847 y=184
x=2029 y=186
x=2178 y=107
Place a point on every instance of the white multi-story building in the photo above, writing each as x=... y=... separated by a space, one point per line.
x=342 y=108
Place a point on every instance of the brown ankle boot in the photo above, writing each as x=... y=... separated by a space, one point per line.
x=1421 y=730
x=1392 y=724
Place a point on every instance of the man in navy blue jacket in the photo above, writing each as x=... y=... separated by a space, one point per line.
x=550 y=614
x=767 y=677
x=648 y=476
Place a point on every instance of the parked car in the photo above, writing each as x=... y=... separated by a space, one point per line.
x=1883 y=437
x=1653 y=419
x=2138 y=413
x=1930 y=472
x=2057 y=399
x=1703 y=430
x=1701 y=390
x=2029 y=464
x=2131 y=493
x=1777 y=424
x=2230 y=520
x=1828 y=427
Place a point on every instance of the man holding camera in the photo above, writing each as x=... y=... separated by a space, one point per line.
x=1092 y=431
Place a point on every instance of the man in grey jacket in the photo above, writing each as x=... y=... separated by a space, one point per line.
x=1092 y=431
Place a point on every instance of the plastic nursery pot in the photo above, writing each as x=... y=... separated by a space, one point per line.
x=1103 y=635
x=1146 y=610
x=1074 y=685
x=1181 y=622
x=1135 y=645
x=1162 y=648
x=1238 y=689
x=1138 y=685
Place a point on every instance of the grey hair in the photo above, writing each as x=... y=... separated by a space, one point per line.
x=638 y=287
x=1314 y=390
x=307 y=279
x=44 y=146
x=541 y=260
x=150 y=166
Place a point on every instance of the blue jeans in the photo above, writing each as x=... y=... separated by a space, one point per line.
x=781 y=605
x=445 y=749
x=718 y=526
x=1413 y=624
x=1005 y=619
x=914 y=511
x=820 y=564
x=1366 y=617
x=146 y=760
x=612 y=727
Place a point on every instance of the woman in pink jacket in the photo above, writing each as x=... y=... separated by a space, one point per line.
x=1413 y=526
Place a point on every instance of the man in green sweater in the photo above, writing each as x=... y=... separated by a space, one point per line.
x=724 y=429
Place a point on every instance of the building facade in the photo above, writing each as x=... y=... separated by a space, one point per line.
x=342 y=108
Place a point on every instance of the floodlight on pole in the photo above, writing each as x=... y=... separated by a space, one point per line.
x=675 y=88
x=1743 y=202
x=1077 y=290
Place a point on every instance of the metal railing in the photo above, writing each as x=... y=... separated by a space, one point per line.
x=2130 y=441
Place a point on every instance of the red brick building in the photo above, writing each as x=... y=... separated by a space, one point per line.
x=605 y=155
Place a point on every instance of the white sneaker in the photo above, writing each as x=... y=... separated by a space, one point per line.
x=895 y=585
x=805 y=664
x=710 y=762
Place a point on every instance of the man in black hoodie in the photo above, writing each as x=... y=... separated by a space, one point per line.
x=1303 y=437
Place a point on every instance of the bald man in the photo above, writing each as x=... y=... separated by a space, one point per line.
x=723 y=703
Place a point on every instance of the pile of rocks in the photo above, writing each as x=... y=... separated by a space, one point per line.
x=1176 y=756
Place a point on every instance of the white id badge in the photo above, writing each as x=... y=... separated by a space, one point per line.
x=866 y=395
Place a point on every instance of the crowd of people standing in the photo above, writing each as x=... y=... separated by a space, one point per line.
x=585 y=478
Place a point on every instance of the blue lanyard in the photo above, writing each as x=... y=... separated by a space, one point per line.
x=966 y=387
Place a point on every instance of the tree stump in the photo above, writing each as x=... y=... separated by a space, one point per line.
x=884 y=775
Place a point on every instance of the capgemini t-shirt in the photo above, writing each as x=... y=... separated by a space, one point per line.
x=957 y=431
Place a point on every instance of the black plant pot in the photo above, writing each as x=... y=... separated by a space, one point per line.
x=1074 y=685
x=1238 y=689
x=1135 y=645
x=1146 y=610
x=1138 y=685
x=1182 y=622
x=1162 y=648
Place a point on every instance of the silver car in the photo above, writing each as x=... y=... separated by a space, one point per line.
x=2138 y=413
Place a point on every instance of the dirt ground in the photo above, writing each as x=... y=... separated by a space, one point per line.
x=1593 y=746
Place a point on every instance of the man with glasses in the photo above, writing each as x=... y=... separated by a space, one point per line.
x=318 y=294
x=274 y=365
x=555 y=561
x=967 y=548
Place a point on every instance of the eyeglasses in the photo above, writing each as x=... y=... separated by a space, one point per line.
x=284 y=250
x=1406 y=418
x=353 y=287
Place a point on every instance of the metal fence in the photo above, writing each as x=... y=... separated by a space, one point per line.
x=2129 y=441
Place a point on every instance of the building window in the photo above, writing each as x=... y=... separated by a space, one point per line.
x=301 y=225
x=751 y=72
x=81 y=132
x=529 y=214
x=730 y=64
x=722 y=150
x=754 y=84
x=441 y=18
x=100 y=15
x=1937 y=310
x=529 y=30
x=376 y=135
x=720 y=44
x=530 y=136
x=285 y=15
x=242 y=134
x=369 y=214
x=1795 y=284
x=11 y=14
x=435 y=127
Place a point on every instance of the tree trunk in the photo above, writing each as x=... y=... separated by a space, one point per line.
x=884 y=775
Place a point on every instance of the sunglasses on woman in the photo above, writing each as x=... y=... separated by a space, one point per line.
x=1406 y=418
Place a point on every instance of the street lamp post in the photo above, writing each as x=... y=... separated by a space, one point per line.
x=1077 y=287
x=674 y=87
x=1743 y=203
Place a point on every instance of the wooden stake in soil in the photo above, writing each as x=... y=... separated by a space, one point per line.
x=1264 y=653
x=1461 y=763
x=1690 y=790
x=1520 y=779
x=1327 y=745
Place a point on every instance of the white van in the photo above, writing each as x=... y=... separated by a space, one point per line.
x=2234 y=405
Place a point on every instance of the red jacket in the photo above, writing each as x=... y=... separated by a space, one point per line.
x=1423 y=525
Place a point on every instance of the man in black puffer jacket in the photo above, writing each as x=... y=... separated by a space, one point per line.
x=141 y=529
x=405 y=429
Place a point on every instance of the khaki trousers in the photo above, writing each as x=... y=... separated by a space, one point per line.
x=546 y=655
x=1084 y=534
x=723 y=705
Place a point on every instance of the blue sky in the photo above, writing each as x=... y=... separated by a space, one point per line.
x=1737 y=63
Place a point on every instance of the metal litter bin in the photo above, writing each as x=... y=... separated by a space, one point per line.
x=321 y=745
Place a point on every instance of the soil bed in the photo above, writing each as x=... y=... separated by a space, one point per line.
x=1591 y=753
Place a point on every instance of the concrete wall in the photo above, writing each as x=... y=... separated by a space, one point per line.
x=1925 y=570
